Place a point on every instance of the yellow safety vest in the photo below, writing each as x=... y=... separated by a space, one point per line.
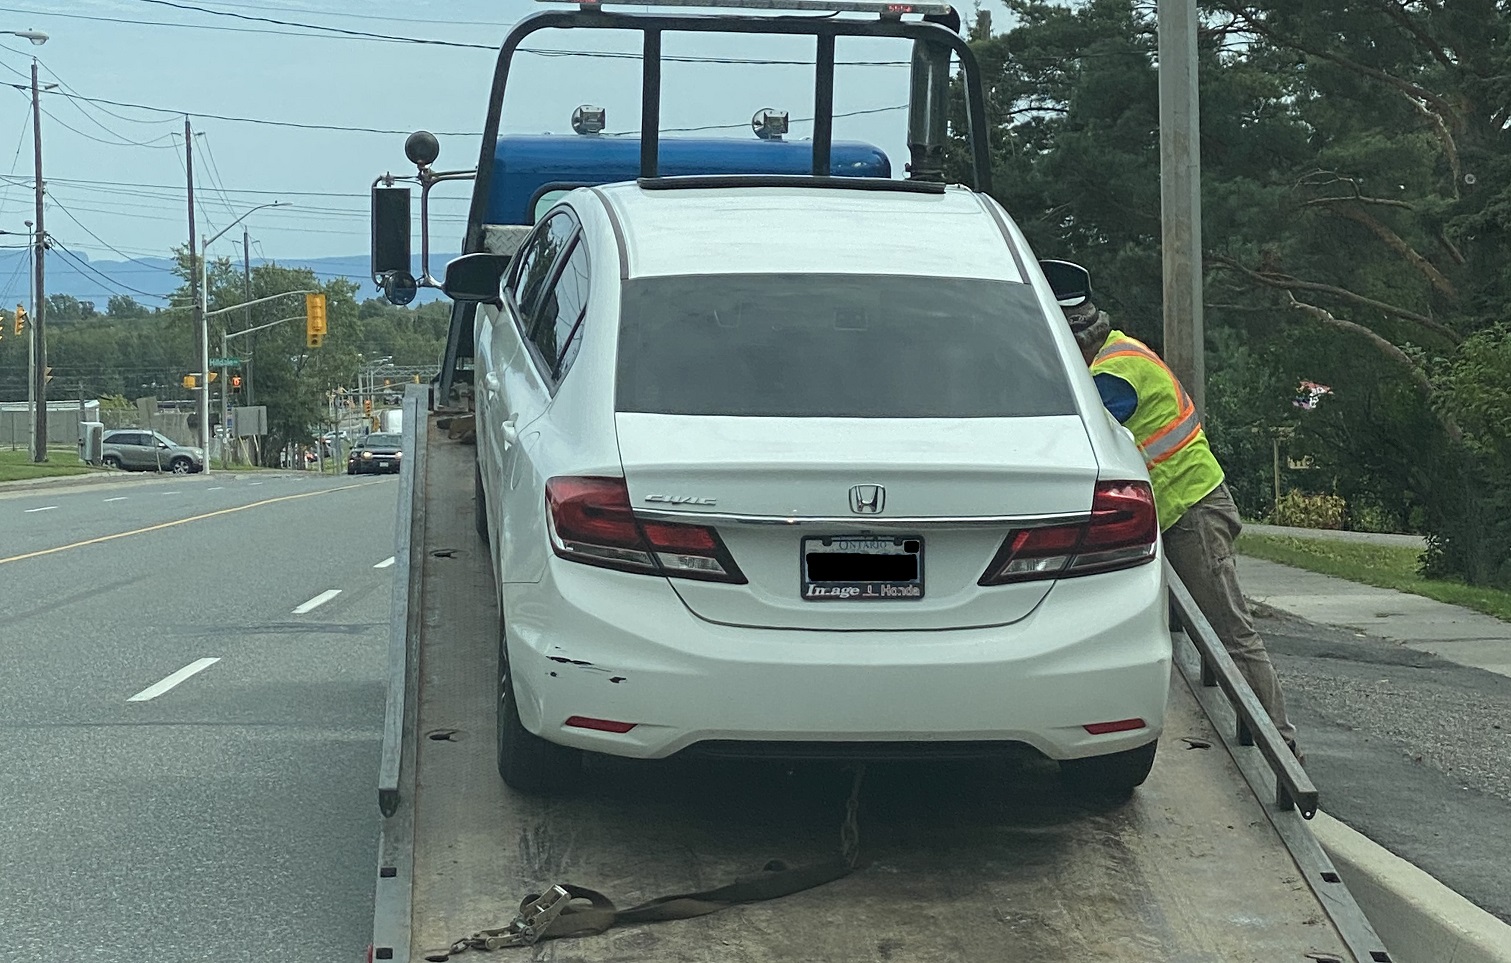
x=1165 y=425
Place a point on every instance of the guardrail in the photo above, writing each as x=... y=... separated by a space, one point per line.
x=1293 y=787
x=404 y=617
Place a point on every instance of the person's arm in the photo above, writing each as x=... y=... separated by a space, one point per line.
x=1118 y=396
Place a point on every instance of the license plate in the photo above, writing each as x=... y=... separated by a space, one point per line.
x=862 y=568
x=382 y=464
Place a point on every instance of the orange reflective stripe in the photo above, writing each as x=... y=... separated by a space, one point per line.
x=1185 y=426
x=1189 y=427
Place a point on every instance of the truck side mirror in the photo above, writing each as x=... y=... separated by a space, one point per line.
x=475 y=277
x=390 y=239
x=1071 y=283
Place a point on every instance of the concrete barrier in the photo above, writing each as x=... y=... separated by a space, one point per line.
x=1419 y=919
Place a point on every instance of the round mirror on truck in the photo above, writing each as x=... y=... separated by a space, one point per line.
x=399 y=287
x=422 y=148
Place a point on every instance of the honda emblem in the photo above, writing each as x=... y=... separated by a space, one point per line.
x=867 y=499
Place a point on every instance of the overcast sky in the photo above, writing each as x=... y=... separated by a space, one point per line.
x=115 y=173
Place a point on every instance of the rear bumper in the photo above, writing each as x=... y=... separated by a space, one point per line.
x=614 y=646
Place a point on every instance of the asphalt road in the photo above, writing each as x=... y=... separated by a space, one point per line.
x=1409 y=749
x=230 y=816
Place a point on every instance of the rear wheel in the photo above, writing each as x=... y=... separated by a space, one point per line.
x=1115 y=775
x=111 y=461
x=479 y=504
x=527 y=762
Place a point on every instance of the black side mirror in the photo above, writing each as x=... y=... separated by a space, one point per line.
x=475 y=277
x=1071 y=283
x=390 y=231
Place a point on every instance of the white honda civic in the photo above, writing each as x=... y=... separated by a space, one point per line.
x=807 y=471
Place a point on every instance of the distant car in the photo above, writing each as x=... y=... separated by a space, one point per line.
x=135 y=449
x=378 y=453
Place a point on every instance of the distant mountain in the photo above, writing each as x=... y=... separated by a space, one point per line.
x=150 y=279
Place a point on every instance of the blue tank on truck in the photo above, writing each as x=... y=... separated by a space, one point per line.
x=532 y=170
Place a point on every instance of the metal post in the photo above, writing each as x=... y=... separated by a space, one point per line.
x=823 y=105
x=650 y=104
x=1180 y=195
x=1275 y=441
x=246 y=274
x=39 y=295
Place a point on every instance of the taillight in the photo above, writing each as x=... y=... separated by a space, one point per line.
x=1122 y=532
x=591 y=521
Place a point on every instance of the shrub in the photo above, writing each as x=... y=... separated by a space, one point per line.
x=1300 y=510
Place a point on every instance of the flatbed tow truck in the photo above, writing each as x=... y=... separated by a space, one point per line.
x=1210 y=861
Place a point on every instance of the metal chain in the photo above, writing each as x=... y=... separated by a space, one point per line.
x=849 y=830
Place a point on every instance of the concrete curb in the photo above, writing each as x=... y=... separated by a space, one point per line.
x=1419 y=919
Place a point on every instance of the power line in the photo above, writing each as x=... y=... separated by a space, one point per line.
x=364 y=16
x=85 y=265
x=69 y=214
x=218 y=181
x=338 y=33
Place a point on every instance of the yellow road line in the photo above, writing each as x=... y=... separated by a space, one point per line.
x=183 y=521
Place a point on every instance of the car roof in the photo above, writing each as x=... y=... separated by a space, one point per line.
x=808 y=229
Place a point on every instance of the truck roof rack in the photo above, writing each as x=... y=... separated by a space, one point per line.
x=883 y=8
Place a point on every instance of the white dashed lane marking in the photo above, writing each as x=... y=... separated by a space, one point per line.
x=158 y=688
x=317 y=601
x=385 y=563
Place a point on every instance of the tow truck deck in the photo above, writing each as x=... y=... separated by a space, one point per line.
x=958 y=861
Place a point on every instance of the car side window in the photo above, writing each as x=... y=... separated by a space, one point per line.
x=561 y=309
x=534 y=262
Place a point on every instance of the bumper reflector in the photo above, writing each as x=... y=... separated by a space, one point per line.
x=602 y=725
x=1122 y=725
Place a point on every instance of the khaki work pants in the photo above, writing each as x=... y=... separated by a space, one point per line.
x=1200 y=549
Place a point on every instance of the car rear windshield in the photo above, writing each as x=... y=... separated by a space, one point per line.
x=837 y=345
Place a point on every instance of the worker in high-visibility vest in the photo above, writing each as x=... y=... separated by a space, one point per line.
x=1197 y=517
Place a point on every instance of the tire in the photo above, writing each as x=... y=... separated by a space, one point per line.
x=526 y=762
x=181 y=466
x=479 y=504
x=111 y=461
x=1113 y=776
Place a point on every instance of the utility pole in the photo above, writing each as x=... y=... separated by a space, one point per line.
x=1180 y=195
x=246 y=274
x=39 y=302
x=202 y=386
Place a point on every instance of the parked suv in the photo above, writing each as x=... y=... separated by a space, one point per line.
x=806 y=470
x=140 y=450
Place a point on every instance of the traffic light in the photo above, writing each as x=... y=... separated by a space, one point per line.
x=236 y=382
x=20 y=318
x=367 y=406
x=47 y=375
x=314 y=320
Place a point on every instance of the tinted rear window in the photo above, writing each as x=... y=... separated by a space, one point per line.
x=850 y=346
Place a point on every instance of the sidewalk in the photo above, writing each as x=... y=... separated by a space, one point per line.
x=1374 y=538
x=1447 y=631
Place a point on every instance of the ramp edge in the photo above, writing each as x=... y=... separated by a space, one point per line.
x=393 y=892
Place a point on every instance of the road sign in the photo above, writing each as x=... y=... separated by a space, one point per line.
x=225 y=362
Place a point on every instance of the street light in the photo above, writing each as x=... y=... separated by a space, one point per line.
x=35 y=36
x=203 y=388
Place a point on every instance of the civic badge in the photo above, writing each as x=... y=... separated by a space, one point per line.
x=867 y=499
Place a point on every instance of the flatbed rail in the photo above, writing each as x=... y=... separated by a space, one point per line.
x=959 y=862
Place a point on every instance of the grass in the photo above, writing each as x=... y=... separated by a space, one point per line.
x=1383 y=566
x=17 y=465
